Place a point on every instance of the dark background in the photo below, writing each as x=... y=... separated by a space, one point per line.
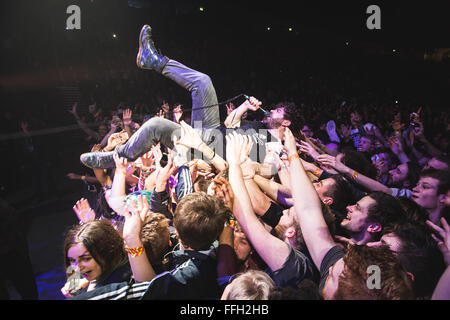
x=46 y=68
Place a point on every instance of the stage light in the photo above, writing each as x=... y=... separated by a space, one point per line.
x=202 y=9
x=347 y=43
x=290 y=29
x=268 y=28
x=114 y=35
x=394 y=51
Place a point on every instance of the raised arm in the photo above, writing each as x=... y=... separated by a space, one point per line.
x=234 y=117
x=274 y=190
x=140 y=265
x=82 y=124
x=366 y=182
x=271 y=249
x=307 y=206
x=191 y=139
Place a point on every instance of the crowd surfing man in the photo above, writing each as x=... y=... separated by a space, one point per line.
x=205 y=114
x=311 y=202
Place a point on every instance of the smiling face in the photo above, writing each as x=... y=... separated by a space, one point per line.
x=425 y=193
x=356 y=220
x=80 y=259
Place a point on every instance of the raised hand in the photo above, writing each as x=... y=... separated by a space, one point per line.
x=444 y=242
x=74 y=110
x=252 y=104
x=145 y=162
x=235 y=144
x=164 y=174
x=177 y=113
x=308 y=149
x=137 y=211
x=223 y=190
x=230 y=108
x=396 y=145
x=121 y=163
x=334 y=162
x=84 y=211
x=126 y=116
x=189 y=137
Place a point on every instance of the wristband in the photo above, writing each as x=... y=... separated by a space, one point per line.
x=354 y=175
x=83 y=177
x=135 y=252
x=295 y=155
x=317 y=172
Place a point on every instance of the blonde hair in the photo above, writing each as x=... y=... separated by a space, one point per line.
x=251 y=285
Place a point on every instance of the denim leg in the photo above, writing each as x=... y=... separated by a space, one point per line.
x=202 y=91
x=149 y=134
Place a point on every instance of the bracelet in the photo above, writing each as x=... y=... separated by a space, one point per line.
x=317 y=172
x=135 y=252
x=283 y=166
x=83 y=177
x=295 y=155
x=354 y=175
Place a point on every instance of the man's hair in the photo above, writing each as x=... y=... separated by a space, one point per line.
x=413 y=173
x=443 y=176
x=386 y=211
x=251 y=285
x=414 y=212
x=102 y=241
x=290 y=109
x=155 y=236
x=420 y=255
x=199 y=219
x=341 y=193
x=358 y=161
x=353 y=282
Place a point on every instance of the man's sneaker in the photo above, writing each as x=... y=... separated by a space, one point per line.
x=148 y=57
x=331 y=130
x=98 y=160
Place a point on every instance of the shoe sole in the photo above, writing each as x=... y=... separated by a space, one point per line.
x=139 y=56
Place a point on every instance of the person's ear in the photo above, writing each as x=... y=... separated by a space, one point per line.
x=441 y=200
x=328 y=201
x=286 y=123
x=290 y=232
x=374 y=228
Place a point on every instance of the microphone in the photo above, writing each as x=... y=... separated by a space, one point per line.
x=266 y=113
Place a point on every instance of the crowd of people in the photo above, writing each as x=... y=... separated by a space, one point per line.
x=351 y=202
x=342 y=194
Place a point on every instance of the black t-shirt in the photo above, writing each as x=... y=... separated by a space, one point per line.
x=330 y=258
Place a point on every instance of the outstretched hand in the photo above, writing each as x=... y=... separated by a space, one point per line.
x=121 y=163
x=189 y=137
x=444 y=242
x=137 y=211
x=235 y=144
x=84 y=211
x=126 y=116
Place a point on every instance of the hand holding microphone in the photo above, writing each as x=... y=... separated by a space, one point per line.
x=255 y=104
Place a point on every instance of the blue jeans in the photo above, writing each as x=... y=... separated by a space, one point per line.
x=162 y=130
